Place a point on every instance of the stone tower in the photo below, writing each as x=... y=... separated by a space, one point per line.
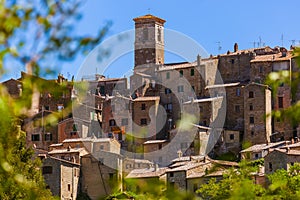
x=149 y=40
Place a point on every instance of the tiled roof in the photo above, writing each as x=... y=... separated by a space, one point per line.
x=289 y=152
x=139 y=160
x=146 y=173
x=153 y=98
x=260 y=147
x=148 y=16
x=203 y=100
x=272 y=57
x=155 y=141
x=71 y=150
x=222 y=85
x=172 y=66
x=188 y=166
x=88 y=139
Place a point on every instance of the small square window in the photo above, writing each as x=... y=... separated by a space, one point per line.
x=47 y=170
x=168 y=75
x=192 y=72
x=159 y=146
x=181 y=73
x=250 y=107
x=48 y=137
x=171 y=174
x=280 y=102
x=35 y=137
x=238 y=92
x=143 y=121
x=180 y=88
x=251 y=120
x=143 y=106
x=237 y=108
x=112 y=122
x=124 y=121
x=251 y=94
x=168 y=91
x=231 y=136
x=193 y=88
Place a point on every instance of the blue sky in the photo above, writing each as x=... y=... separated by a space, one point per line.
x=205 y=21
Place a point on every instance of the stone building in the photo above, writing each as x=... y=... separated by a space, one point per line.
x=144 y=180
x=260 y=150
x=61 y=176
x=101 y=174
x=257 y=106
x=281 y=159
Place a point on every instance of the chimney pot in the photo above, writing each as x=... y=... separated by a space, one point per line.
x=236 y=47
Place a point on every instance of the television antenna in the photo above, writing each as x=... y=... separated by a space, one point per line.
x=219 y=47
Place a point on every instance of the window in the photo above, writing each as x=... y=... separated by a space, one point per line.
x=171 y=174
x=74 y=127
x=47 y=170
x=159 y=34
x=231 y=136
x=251 y=120
x=256 y=156
x=292 y=163
x=159 y=146
x=280 y=102
x=101 y=147
x=201 y=109
x=238 y=92
x=192 y=88
x=111 y=176
x=60 y=108
x=143 y=121
x=69 y=187
x=270 y=167
x=195 y=187
x=47 y=107
x=124 y=121
x=102 y=90
x=250 y=107
x=112 y=122
x=237 y=108
x=251 y=94
x=180 y=88
x=168 y=91
x=168 y=75
x=120 y=137
x=252 y=133
x=143 y=106
x=232 y=61
x=169 y=107
x=48 y=137
x=181 y=73
x=145 y=33
x=35 y=137
x=260 y=69
x=192 y=72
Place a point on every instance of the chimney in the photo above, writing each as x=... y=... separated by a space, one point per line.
x=198 y=60
x=155 y=167
x=236 y=47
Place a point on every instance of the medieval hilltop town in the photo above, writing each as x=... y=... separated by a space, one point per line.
x=169 y=122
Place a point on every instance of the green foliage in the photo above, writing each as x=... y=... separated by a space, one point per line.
x=36 y=33
x=285 y=184
x=236 y=184
x=33 y=33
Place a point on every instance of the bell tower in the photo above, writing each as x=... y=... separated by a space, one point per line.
x=149 y=40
